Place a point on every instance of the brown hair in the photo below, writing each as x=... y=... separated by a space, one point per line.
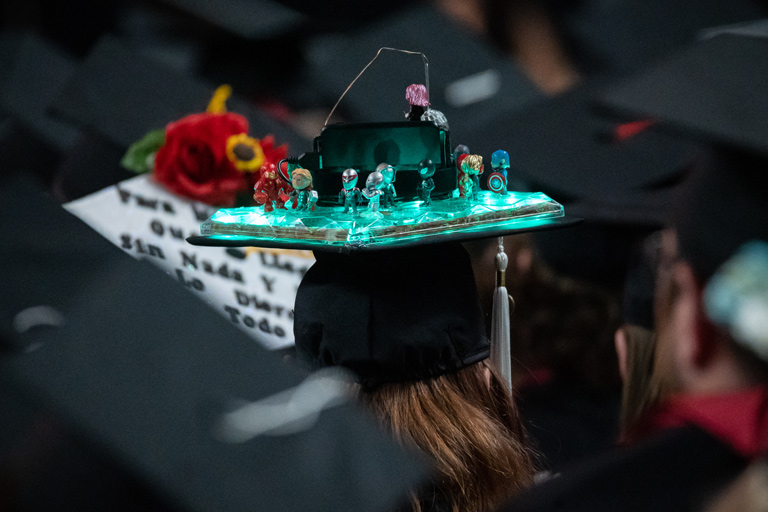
x=558 y=323
x=641 y=389
x=471 y=432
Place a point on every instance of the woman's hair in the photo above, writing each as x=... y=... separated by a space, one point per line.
x=641 y=390
x=470 y=430
x=560 y=324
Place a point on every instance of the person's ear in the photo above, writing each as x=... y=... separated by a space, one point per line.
x=620 y=342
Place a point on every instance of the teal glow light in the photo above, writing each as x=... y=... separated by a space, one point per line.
x=329 y=226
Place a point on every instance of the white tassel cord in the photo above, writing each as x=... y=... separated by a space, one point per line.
x=500 y=338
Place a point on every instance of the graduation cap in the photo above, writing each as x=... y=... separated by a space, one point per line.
x=248 y=19
x=169 y=392
x=35 y=73
x=121 y=95
x=564 y=146
x=391 y=316
x=619 y=173
x=622 y=36
x=707 y=92
x=469 y=82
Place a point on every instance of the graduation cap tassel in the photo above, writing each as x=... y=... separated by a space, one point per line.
x=500 y=343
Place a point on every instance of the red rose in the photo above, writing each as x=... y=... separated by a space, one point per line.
x=193 y=161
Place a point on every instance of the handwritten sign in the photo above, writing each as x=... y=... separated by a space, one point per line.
x=254 y=288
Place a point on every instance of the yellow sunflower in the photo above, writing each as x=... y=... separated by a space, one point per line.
x=245 y=152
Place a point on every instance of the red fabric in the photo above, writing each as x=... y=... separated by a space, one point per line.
x=739 y=418
x=193 y=161
x=628 y=130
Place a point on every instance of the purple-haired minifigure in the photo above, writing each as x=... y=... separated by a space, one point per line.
x=418 y=99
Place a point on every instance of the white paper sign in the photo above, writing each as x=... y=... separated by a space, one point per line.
x=254 y=288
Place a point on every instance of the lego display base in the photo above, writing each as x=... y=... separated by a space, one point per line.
x=407 y=223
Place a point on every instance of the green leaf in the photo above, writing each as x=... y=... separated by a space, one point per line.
x=140 y=157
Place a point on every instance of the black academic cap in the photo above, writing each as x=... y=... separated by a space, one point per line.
x=251 y=19
x=335 y=10
x=35 y=72
x=757 y=28
x=624 y=35
x=567 y=148
x=724 y=207
x=122 y=95
x=391 y=316
x=618 y=173
x=142 y=371
x=469 y=81
x=709 y=90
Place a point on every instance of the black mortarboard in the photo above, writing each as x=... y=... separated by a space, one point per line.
x=390 y=316
x=624 y=35
x=565 y=147
x=142 y=371
x=35 y=73
x=709 y=89
x=468 y=81
x=122 y=95
x=246 y=18
x=708 y=92
x=757 y=28
x=615 y=172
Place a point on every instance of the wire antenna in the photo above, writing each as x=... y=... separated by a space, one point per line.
x=426 y=76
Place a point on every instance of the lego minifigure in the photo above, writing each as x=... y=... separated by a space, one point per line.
x=497 y=180
x=270 y=190
x=388 y=172
x=469 y=183
x=304 y=198
x=427 y=185
x=350 y=194
x=416 y=94
x=373 y=190
x=418 y=99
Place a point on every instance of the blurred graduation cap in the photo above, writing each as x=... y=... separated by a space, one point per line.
x=142 y=371
x=246 y=18
x=567 y=148
x=121 y=95
x=708 y=89
x=622 y=36
x=707 y=92
x=757 y=28
x=468 y=81
x=36 y=71
x=618 y=173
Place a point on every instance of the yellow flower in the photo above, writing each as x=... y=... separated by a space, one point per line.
x=245 y=152
x=218 y=104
